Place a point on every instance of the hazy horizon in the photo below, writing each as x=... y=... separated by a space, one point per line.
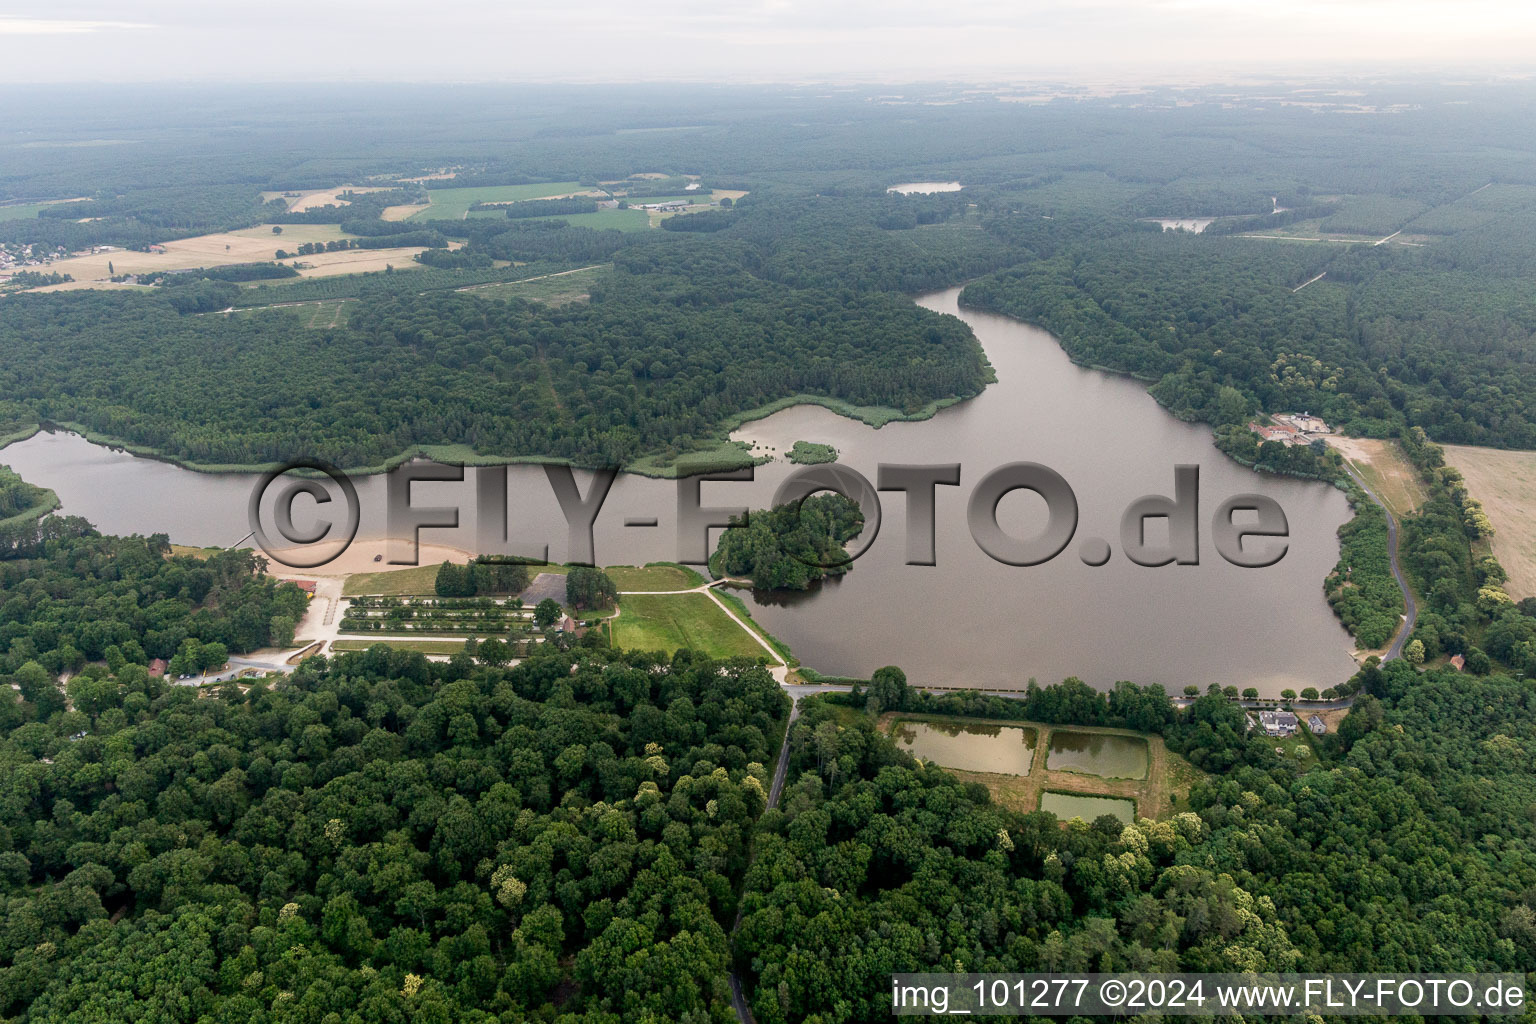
x=142 y=41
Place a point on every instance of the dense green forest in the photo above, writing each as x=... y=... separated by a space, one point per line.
x=1409 y=849
x=17 y=497
x=381 y=838
x=1437 y=336
x=69 y=595
x=789 y=547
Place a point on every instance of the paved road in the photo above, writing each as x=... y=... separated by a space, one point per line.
x=1395 y=648
x=276 y=663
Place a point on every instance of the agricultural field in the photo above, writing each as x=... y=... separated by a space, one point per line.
x=248 y=245
x=357 y=261
x=604 y=220
x=454 y=203
x=657 y=623
x=1505 y=482
x=314 y=199
x=24 y=211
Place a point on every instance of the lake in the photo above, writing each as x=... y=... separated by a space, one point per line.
x=1096 y=753
x=923 y=188
x=969 y=620
x=1067 y=806
x=968 y=746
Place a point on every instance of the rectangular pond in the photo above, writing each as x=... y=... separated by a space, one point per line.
x=1093 y=753
x=969 y=746
x=1067 y=806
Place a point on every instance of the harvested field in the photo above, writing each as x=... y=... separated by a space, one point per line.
x=249 y=245
x=401 y=212
x=357 y=261
x=1505 y=482
x=1383 y=467
x=314 y=199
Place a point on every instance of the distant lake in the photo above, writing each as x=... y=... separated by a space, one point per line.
x=913 y=188
x=969 y=621
x=1067 y=806
x=969 y=746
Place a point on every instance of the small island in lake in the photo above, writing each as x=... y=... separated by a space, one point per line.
x=809 y=453
x=791 y=546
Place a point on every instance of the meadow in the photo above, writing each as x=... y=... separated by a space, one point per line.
x=657 y=623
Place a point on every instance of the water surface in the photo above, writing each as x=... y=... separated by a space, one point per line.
x=920 y=188
x=972 y=621
x=1095 y=753
x=969 y=746
x=968 y=621
x=1067 y=806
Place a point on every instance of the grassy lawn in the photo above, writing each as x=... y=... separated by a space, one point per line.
x=454 y=203
x=656 y=623
x=184 y=549
x=416 y=646
x=603 y=220
x=418 y=579
x=656 y=576
x=744 y=613
x=22 y=211
x=1298 y=749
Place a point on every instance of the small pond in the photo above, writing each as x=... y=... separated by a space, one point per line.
x=1067 y=806
x=969 y=746
x=1093 y=753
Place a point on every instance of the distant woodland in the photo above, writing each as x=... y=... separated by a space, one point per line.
x=801 y=287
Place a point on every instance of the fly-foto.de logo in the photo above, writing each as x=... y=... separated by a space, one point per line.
x=1247 y=530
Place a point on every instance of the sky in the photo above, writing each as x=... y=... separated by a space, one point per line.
x=750 y=40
